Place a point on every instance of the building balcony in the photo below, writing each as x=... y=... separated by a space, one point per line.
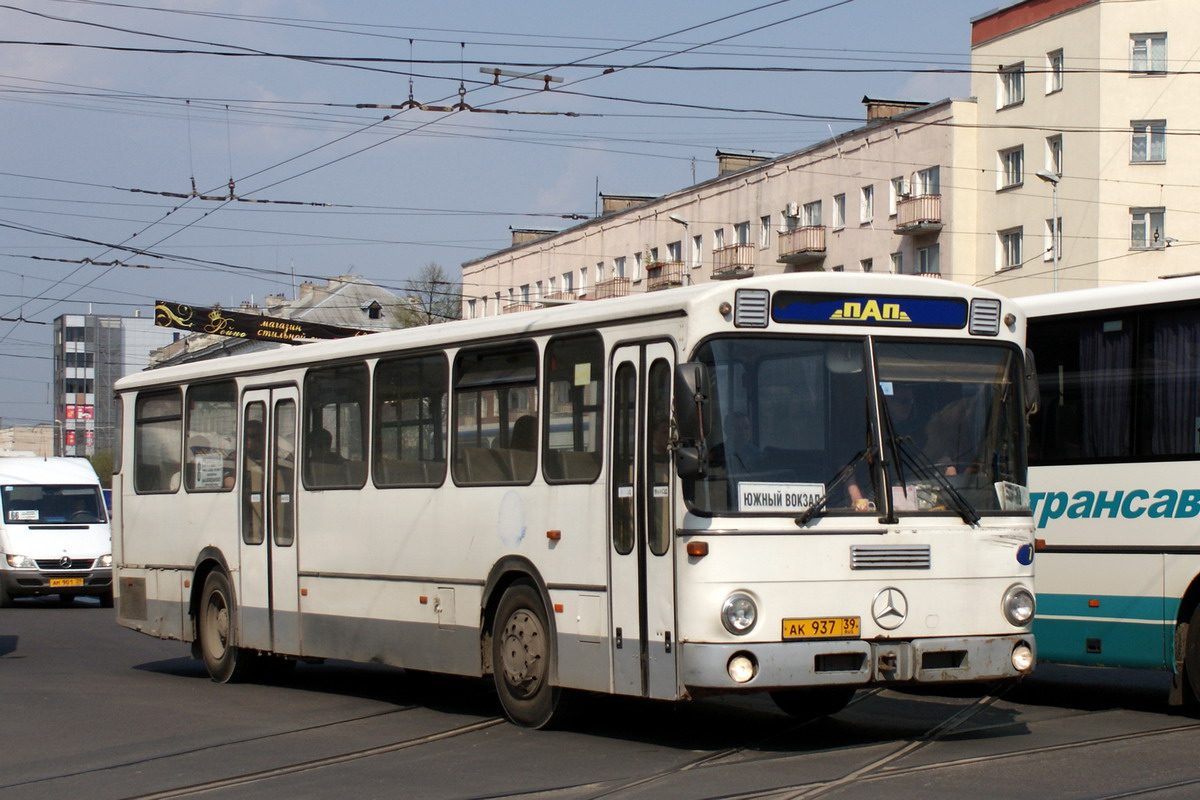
x=523 y=305
x=733 y=261
x=920 y=214
x=802 y=245
x=664 y=275
x=613 y=287
x=552 y=296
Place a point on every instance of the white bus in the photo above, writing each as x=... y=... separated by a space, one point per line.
x=54 y=530
x=710 y=489
x=1115 y=473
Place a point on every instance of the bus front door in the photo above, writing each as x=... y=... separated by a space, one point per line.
x=641 y=486
x=268 y=592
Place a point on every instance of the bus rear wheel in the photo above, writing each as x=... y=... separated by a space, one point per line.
x=523 y=659
x=815 y=702
x=225 y=661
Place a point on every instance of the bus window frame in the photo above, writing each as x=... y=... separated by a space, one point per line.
x=140 y=421
x=600 y=365
x=377 y=450
x=525 y=377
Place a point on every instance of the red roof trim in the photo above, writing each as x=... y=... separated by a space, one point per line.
x=1021 y=15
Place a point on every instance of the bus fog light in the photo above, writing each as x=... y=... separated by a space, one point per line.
x=742 y=667
x=739 y=613
x=1022 y=658
x=1018 y=605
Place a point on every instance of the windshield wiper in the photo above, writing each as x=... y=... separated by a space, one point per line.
x=841 y=476
x=922 y=466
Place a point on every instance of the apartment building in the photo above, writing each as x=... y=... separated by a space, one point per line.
x=870 y=200
x=91 y=351
x=1086 y=116
x=1074 y=164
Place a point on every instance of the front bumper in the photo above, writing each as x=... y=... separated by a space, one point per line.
x=95 y=582
x=856 y=662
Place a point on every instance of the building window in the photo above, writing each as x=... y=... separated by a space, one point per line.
x=896 y=190
x=929 y=261
x=840 y=268
x=1012 y=167
x=551 y=286
x=1012 y=86
x=866 y=265
x=1148 y=53
x=599 y=271
x=470 y=309
x=1054 y=155
x=927 y=182
x=1146 y=229
x=1010 y=249
x=741 y=232
x=674 y=251
x=897 y=263
x=764 y=232
x=812 y=214
x=839 y=211
x=568 y=282
x=1149 y=142
x=1052 y=240
x=583 y=280
x=718 y=238
x=866 y=204
x=1054 y=71
x=697 y=251
x=637 y=268
x=619 y=267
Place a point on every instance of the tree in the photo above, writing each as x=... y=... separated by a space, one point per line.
x=433 y=296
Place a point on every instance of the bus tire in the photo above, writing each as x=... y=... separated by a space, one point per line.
x=5 y=597
x=815 y=702
x=523 y=658
x=217 y=622
x=1191 y=661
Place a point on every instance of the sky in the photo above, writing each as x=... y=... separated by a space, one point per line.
x=123 y=124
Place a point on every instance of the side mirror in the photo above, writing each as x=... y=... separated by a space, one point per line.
x=693 y=391
x=1033 y=393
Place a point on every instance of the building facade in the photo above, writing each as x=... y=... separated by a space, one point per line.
x=870 y=200
x=1083 y=111
x=91 y=351
x=1073 y=165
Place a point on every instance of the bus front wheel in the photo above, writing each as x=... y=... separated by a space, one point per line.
x=523 y=658
x=225 y=661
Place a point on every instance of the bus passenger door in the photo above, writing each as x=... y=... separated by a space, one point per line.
x=642 y=528
x=268 y=588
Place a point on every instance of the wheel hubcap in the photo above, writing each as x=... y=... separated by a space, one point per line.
x=524 y=652
x=218 y=618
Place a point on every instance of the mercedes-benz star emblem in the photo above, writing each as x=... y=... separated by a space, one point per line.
x=890 y=608
x=64 y=562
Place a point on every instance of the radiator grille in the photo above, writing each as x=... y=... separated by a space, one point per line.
x=889 y=556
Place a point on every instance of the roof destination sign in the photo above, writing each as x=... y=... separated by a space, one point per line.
x=827 y=308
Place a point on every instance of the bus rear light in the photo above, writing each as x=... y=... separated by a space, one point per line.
x=742 y=667
x=697 y=549
x=554 y=536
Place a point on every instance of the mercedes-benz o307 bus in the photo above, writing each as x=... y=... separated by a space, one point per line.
x=1115 y=453
x=801 y=484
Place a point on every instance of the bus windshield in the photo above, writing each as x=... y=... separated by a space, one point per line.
x=32 y=504
x=795 y=428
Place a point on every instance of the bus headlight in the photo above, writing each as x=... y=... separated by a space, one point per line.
x=104 y=560
x=739 y=613
x=1018 y=605
x=1022 y=658
x=21 y=562
x=742 y=667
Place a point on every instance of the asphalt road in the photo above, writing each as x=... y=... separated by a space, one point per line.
x=92 y=710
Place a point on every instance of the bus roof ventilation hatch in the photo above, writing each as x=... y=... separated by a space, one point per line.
x=751 y=308
x=985 y=317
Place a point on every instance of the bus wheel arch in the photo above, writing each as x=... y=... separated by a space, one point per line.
x=1185 y=683
x=518 y=643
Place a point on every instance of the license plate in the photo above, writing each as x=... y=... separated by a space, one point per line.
x=821 y=628
x=66 y=581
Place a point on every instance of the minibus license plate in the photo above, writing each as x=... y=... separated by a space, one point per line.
x=66 y=581
x=821 y=628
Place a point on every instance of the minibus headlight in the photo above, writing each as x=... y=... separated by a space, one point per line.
x=104 y=560
x=1018 y=605
x=739 y=613
x=21 y=562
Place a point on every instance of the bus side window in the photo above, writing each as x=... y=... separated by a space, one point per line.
x=410 y=421
x=211 y=427
x=572 y=408
x=495 y=424
x=157 y=434
x=335 y=425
